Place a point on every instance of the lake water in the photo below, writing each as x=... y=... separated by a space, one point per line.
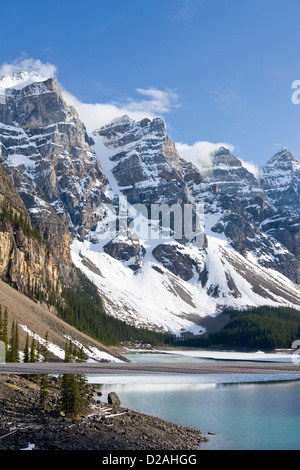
x=246 y=412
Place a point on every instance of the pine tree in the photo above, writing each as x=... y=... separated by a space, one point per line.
x=44 y=391
x=38 y=353
x=26 y=350
x=68 y=352
x=73 y=386
x=45 y=350
x=16 y=343
x=5 y=329
x=33 y=351
x=13 y=349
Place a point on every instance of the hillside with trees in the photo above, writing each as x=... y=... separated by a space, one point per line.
x=260 y=327
x=83 y=309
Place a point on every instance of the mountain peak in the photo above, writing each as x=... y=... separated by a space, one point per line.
x=224 y=157
x=282 y=155
x=20 y=80
x=146 y=275
x=280 y=180
x=282 y=160
x=125 y=120
x=119 y=120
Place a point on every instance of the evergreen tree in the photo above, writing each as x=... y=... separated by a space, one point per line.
x=73 y=386
x=13 y=349
x=5 y=329
x=26 y=350
x=68 y=352
x=263 y=327
x=33 y=357
x=45 y=350
x=83 y=308
x=38 y=352
x=44 y=391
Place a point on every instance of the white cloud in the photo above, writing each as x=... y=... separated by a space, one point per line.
x=24 y=65
x=252 y=168
x=95 y=115
x=156 y=104
x=201 y=153
x=160 y=102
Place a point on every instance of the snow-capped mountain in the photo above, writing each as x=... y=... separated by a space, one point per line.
x=109 y=193
x=46 y=151
x=280 y=178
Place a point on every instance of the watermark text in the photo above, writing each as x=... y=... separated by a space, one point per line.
x=155 y=222
x=296 y=94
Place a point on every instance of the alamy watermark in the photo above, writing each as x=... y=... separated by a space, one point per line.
x=2 y=352
x=296 y=353
x=296 y=94
x=153 y=222
x=2 y=97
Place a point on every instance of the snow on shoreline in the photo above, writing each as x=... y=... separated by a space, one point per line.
x=185 y=381
x=142 y=382
x=258 y=356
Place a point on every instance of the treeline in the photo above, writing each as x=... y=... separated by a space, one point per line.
x=19 y=221
x=10 y=339
x=74 y=391
x=33 y=351
x=260 y=327
x=83 y=308
x=48 y=296
x=73 y=387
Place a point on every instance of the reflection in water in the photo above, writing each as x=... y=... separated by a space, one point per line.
x=164 y=357
x=253 y=415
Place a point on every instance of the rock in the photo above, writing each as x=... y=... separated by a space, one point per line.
x=24 y=259
x=122 y=250
x=37 y=116
x=144 y=148
x=65 y=191
x=176 y=260
x=113 y=399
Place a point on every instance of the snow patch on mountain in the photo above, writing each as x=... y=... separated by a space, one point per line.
x=154 y=297
x=20 y=80
x=159 y=283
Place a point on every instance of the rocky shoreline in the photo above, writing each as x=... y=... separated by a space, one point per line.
x=102 y=425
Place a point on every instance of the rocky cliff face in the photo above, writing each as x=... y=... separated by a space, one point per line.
x=238 y=206
x=173 y=281
x=26 y=262
x=143 y=161
x=73 y=186
x=45 y=149
x=280 y=179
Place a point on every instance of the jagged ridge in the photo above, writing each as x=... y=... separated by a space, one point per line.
x=170 y=284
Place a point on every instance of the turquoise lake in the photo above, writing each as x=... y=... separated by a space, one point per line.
x=245 y=415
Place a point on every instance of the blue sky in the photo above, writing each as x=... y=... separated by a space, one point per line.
x=215 y=70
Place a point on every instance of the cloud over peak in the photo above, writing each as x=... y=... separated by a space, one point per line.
x=153 y=103
x=46 y=70
x=95 y=115
x=201 y=153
